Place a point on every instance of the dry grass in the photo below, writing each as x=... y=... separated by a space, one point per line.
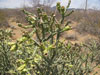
x=3 y=19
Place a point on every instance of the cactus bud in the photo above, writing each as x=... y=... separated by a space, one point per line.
x=13 y=47
x=63 y=10
x=39 y=10
x=20 y=68
x=45 y=16
x=11 y=43
x=37 y=58
x=33 y=17
x=69 y=65
x=66 y=28
x=58 y=6
x=26 y=12
x=22 y=39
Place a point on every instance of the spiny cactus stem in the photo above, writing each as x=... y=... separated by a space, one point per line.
x=62 y=20
x=50 y=36
x=58 y=35
x=69 y=13
x=51 y=39
x=51 y=31
x=5 y=56
x=58 y=32
x=69 y=2
x=36 y=43
x=38 y=68
x=86 y=63
x=37 y=35
x=56 y=21
x=43 y=32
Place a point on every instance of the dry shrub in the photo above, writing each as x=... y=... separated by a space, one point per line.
x=3 y=19
x=90 y=23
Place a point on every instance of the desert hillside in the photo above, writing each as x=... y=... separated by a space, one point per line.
x=73 y=35
x=84 y=26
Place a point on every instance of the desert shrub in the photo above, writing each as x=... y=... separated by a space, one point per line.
x=3 y=19
x=16 y=15
x=87 y=27
x=89 y=23
x=5 y=55
x=77 y=15
x=94 y=45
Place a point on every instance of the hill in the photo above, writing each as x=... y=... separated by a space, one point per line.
x=85 y=25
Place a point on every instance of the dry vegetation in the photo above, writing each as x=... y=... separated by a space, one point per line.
x=85 y=25
x=86 y=22
x=3 y=19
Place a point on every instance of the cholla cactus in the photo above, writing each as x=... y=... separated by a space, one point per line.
x=46 y=28
x=5 y=56
x=47 y=55
x=44 y=25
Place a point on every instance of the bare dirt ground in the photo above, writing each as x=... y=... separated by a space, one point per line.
x=16 y=29
x=76 y=37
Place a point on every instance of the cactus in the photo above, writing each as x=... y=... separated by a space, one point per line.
x=47 y=54
x=5 y=56
x=47 y=25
